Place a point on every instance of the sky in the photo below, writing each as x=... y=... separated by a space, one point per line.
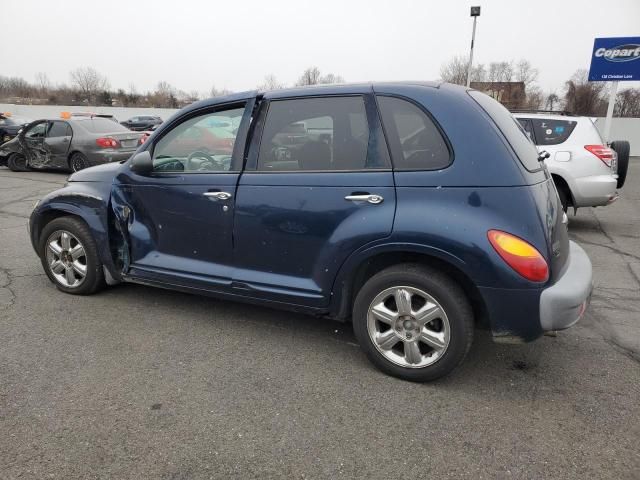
x=195 y=45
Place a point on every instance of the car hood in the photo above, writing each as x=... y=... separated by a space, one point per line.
x=100 y=173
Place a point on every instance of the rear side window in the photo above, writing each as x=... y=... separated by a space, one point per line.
x=414 y=140
x=511 y=129
x=552 y=132
x=315 y=134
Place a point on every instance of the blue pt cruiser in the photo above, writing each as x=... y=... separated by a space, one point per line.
x=414 y=210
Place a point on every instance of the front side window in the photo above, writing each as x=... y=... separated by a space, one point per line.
x=37 y=131
x=199 y=144
x=315 y=134
x=58 y=129
x=552 y=132
x=415 y=141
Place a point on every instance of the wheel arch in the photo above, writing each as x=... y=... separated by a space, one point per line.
x=561 y=183
x=354 y=274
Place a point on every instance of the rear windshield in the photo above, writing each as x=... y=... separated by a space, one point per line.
x=101 y=125
x=511 y=129
x=552 y=132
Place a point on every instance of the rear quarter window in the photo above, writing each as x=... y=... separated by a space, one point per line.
x=516 y=136
x=414 y=140
x=552 y=132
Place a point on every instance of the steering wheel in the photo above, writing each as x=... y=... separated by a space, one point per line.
x=192 y=165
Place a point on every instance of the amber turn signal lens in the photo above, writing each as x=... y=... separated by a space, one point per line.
x=520 y=255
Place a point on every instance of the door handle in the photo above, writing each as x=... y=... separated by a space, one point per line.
x=218 y=195
x=374 y=199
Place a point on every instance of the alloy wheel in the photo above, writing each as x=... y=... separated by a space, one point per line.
x=408 y=327
x=66 y=259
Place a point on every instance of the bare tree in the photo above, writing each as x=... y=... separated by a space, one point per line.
x=628 y=103
x=43 y=84
x=552 y=100
x=311 y=76
x=500 y=72
x=583 y=97
x=215 y=92
x=331 y=78
x=525 y=73
x=270 y=82
x=455 y=71
x=89 y=82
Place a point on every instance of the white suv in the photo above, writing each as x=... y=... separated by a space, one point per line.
x=587 y=172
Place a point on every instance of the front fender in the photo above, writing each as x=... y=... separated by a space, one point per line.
x=88 y=201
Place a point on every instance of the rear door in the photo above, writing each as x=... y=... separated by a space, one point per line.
x=57 y=141
x=318 y=185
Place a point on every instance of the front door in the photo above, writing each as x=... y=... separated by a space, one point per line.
x=178 y=220
x=317 y=187
x=33 y=143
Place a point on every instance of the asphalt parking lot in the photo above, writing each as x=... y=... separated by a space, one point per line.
x=138 y=382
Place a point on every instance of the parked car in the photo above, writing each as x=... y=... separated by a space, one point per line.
x=10 y=126
x=142 y=122
x=74 y=144
x=415 y=210
x=586 y=171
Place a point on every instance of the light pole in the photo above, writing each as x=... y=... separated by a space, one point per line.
x=475 y=13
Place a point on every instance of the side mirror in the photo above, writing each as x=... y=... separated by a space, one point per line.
x=141 y=163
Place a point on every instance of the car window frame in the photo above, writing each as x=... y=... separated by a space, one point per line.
x=376 y=145
x=424 y=110
x=533 y=132
x=67 y=127
x=237 y=155
x=34 y=125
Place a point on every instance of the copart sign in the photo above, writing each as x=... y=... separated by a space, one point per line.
x=615 y=59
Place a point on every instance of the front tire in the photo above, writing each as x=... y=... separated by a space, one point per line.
x=17 y=163
x=69 y=256
x=413 y=322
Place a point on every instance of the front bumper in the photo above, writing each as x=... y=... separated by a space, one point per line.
x=564 y=303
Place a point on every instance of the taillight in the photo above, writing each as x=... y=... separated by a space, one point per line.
x=603 y=152
x=106 y=142
x=520 y=255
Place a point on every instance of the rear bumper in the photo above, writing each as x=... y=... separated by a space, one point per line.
x=109 y=156
x=595 y=191
x=564 y=303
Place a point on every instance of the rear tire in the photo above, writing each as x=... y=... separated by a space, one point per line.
x=17 y=162
x=69 y=256
x=78 y=162
x=622 y=149
x=413 y=322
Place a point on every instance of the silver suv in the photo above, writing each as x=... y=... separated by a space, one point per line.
x=587 y=172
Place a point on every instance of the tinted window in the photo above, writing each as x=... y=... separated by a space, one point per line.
x=321 y=134
x=552 y=132
x=415 y=142
x=101 y=125
x=198 y=144
x=511 y=129
x=58 y=129
x=526 y=125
